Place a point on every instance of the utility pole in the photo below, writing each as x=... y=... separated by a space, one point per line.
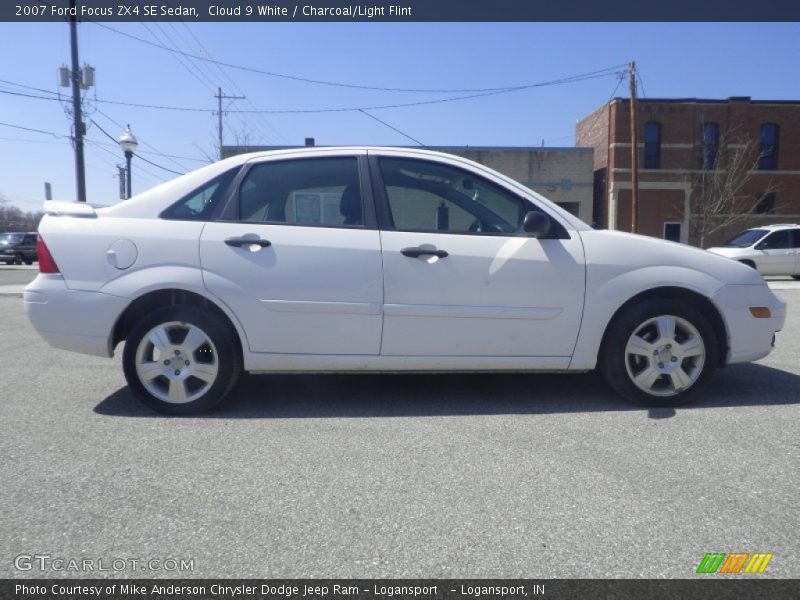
x=75 y=76
x=634 y=150
x=220 y=97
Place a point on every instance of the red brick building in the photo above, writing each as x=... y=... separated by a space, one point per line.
x=681 y=138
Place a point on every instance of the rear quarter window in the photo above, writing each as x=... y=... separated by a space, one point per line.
x=199 y=204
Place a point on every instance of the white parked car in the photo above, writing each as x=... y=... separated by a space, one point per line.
x=771 y=249
x=376 y=259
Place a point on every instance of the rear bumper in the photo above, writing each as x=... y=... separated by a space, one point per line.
x=74 y=320
x=749 y=338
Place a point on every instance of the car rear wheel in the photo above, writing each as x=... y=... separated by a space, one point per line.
x=18 y=259
x=659 y=353
x=181 y=360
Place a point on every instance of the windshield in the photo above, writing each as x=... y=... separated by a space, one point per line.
x=746 y=238
x=10 y=238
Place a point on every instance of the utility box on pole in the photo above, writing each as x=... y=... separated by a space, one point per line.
x=87 y=77
x=64 y=77
x=122 y=176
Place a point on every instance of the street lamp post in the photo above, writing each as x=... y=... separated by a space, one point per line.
x=128 y=143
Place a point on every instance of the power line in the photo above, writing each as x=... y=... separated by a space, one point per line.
x=170 y=157
x=152 y=176
x=11 y=139
x=413 y=139
x=24 y=95
x=28 y=87
x=562 y=81
x=109 y=136
x=621 y=76
x=157 y=165
x=268 y=131
x=317 y=81
x=103 y=131
x=277 y=134
x=58 y=135
x=641 y=83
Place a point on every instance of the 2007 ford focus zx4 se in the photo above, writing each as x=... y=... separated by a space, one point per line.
x=379 y=259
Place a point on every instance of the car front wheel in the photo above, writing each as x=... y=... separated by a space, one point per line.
x=659 y=353
x=181 y=360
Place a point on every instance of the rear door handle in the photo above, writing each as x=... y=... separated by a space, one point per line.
x=416 y=252
x=238 y=242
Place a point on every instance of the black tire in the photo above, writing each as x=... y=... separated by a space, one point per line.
x=18 y=259
x=28 y=261
x=613 y=361
x=224 y=344
x=796 y=277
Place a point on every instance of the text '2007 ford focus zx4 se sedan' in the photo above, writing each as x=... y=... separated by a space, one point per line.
x=376 y=259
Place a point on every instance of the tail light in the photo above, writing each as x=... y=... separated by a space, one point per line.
x=46 y=262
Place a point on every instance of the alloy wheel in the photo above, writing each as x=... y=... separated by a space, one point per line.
x=177 y=362
x=665 y=355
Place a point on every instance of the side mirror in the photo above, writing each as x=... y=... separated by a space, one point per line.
x=760 y=246
x=536 y=223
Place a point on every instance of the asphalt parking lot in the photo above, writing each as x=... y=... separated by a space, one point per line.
x=401 y=476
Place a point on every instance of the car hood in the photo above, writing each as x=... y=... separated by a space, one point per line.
x=632 y=251
x=728 y=251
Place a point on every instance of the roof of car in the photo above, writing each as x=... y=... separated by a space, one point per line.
x=777 y=226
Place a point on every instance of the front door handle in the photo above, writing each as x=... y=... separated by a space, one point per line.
x=420 y=251
x=238 y=242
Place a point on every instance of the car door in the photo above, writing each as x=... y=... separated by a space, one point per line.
x=296 y=255
x=776 y=256
x=459 y=278
x=796 y=248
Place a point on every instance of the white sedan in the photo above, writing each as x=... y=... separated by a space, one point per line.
x=378 y=259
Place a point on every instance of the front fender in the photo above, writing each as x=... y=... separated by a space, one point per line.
x=605 y=295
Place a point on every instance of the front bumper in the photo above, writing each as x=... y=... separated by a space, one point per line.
x=74 y=320
x=749 y=338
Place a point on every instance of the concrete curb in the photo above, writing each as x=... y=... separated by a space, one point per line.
x=12 y=290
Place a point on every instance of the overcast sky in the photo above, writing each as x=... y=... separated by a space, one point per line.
x=675 y=60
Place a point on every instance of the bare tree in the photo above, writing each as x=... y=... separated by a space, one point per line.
x=211 y=158
x=718 y=197
x=14 y=219
x=242 y=138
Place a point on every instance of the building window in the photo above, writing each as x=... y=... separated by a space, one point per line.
x=766 y=204
x=652 y=145
x=672 y=232
x=768 y=160
x=709 y=145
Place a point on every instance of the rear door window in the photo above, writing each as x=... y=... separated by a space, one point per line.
x=310 y=192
